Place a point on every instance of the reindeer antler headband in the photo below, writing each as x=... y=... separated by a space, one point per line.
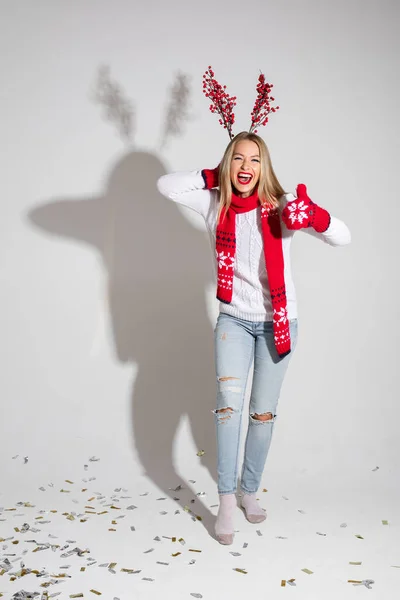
x=223 y=104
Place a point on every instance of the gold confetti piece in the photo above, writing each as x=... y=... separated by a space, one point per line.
x=96 y=592
x=84 y=490
x=127 y=570
x=83 y=568
x=90 y=512
x=10 y=509
x=16 y=529
x=384 y=522
x=200 y=453
x=353 y=581
x=83 y=520
x=38 y=518
x=68 y=481
x=115 y=507
x=53 y=511
x=198 y=518
x=191 y=550
x=264 y=490
x=76 y=596
x=354 y=563
x=112 y=565
x=174 y=539
x=111 y=529
x=291 y=580
x=92 y=498
x=114 y=523
x=104 y=512
x=283 y=582
x=241 y=571
x=308 y=571
x=16 y=542
x=176 y=554
x=65 y=491
x=90 y=507
x=360 y=537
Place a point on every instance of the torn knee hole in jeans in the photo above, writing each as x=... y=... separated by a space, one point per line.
x=262 y=417
x=223 y=414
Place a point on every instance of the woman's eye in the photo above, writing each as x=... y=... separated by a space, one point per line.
x=256 y=160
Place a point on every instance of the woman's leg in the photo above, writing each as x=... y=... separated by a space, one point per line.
x=269 y=372
x=234 y=349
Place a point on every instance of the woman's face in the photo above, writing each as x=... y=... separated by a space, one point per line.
x=245 y=167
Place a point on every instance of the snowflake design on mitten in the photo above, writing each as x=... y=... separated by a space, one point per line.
x=297 y=211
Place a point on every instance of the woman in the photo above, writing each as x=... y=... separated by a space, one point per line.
x=251 y=222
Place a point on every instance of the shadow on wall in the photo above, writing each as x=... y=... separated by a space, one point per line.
x=158 y=267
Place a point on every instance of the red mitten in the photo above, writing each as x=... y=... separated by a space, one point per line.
x=303 y=212
x=211 y=177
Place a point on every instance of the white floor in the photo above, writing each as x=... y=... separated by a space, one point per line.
x=312 y=524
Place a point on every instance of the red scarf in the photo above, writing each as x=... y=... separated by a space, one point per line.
x=273 y=253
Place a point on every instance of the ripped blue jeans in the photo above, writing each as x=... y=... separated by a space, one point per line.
x=237 y=344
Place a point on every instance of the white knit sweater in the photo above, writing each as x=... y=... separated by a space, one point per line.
x=251 y=298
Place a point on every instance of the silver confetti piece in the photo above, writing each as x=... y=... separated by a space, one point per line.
x=259 y=532
x=366 y=582
x=196 y=595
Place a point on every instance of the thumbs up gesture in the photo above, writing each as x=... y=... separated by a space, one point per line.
x=303 y=212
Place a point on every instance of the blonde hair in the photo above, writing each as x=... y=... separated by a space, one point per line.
x=269 y=188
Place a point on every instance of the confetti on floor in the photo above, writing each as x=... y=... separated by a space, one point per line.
x=29 y=526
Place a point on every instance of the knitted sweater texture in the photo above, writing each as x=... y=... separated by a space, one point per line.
x=251 y=298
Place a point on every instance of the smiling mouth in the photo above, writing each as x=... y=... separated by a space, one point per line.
x=244 y=179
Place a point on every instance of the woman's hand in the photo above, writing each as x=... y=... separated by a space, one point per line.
x=211 y=177
x=303 y=212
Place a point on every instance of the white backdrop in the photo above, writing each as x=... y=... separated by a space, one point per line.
x=107 y=305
